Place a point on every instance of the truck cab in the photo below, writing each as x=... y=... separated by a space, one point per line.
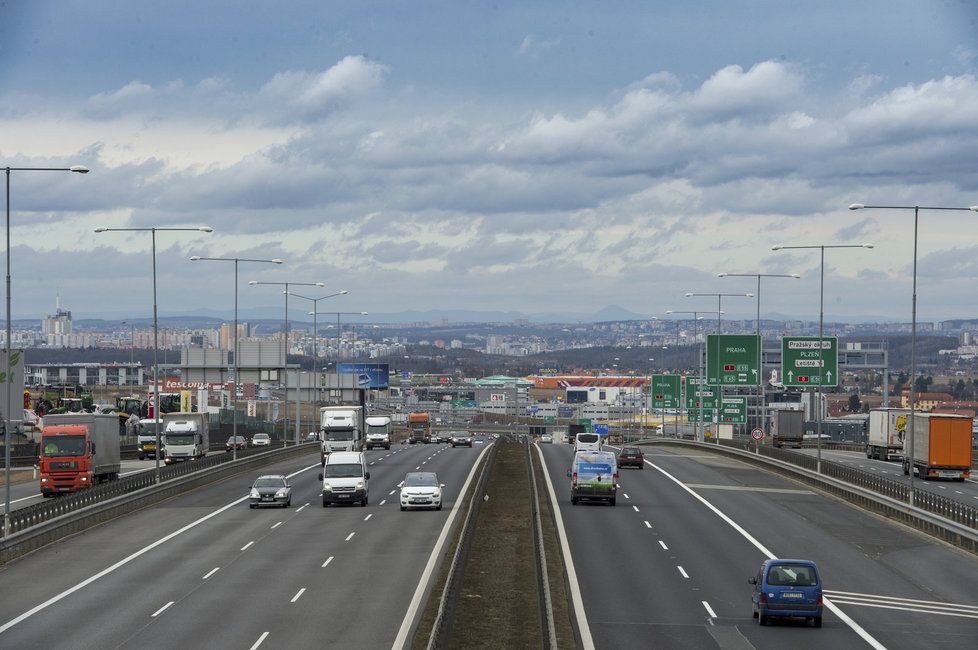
x=419 y=425
x=185 y=437
x=342 y=429
x=78 y=451
x=379 y=432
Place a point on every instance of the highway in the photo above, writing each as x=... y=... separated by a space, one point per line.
x=668 y=566
x=223 y=576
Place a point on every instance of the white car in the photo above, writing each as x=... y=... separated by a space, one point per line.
x=261 y=440
x=421 y=490
x=546 y=438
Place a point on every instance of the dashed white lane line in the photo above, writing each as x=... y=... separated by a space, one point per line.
x=647 y=524
x=371 y=463
x=942 y=487
x=297 y=595
x=709 y=610
x=383 y=502
x=958 y=492
x=328 y=560
x=263 y=636
x=162 y=609
x=683 y=572
x=350 y=536
x=423 y=462
x=211 y=572
x=299 y=509
x=245 y=547
x=367 y=518
x=399 y=484
x=276 y=525
x=626 y=496
x=636 y=508
x=663 y=545
x=418 y=467
x=393 y=491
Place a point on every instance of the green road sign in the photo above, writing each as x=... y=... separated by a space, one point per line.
x=734 y=410
x=699 y=396
x=800 y=361
x=549 y=419
x=692 y=415
x=586 y=423
x=666 y=391
x=737 y=363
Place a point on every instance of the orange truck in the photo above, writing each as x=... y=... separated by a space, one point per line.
x=941 y=446
x=78 y=451
x=419 y=424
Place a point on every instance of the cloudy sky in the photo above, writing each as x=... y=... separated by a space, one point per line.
x=540 y=157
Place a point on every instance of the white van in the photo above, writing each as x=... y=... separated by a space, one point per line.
x=345 y=478
x=587 y=442
x=594 y=476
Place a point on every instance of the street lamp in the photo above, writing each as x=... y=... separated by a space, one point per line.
x=234 y=395
x=719 y=403
x=315 y=331
x=338 y=313
x=132 y=340
x=821 y=323
x=79 y=169
x=285 y=356
x=762 y=412
x=699 y=367
x=913 y=323
x=156 y=330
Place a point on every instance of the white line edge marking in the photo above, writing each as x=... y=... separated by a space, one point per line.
x=211 y=572
x=298 y=594
x=683 y=572
x=328 y=560
x=663 y=545
x=260 y=639
x=350 y=536
x=709 y=610
x=162 y=609
x=402 y=634
x=129 y=558
x=853 y=625
x=276 y=525
x=245 y=547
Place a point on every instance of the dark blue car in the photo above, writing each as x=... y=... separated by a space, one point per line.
x=787 y=588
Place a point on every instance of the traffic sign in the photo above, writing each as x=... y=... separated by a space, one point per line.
x=699 y=396
x=549 y=419
x=734 y=410
x=666 y=391
x=600 y=429
x=733 y=359
x=800 y=362
x=585 y=422
x=757 y=433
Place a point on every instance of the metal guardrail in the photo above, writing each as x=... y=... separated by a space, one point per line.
x=548 y=631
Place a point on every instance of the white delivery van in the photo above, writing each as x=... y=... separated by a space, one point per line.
x=345 y=478
x=594 y=475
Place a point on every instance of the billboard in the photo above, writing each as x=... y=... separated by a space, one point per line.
x=369 y=375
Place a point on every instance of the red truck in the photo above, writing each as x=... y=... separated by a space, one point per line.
x=78 y=451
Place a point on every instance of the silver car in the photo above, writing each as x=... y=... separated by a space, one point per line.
x=271 y=490
x=261 y=440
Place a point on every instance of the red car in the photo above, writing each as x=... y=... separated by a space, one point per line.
x=631 y=456
x=238 y=442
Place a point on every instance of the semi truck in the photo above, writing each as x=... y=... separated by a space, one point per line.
x=941 y=446
x=419 y=426
x=379 y=432
x=788 y=428
x=887 y=428
x=146 y=438
x=343 y=429
x=186 y=436
x=78 y=451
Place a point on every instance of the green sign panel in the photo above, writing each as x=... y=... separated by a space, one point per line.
x=549 y=419
x=586 y=423
x=732 y=359
x=734 y=410
x=697 y=396
x=666 y=391
x=692 y=415
x=800 y=362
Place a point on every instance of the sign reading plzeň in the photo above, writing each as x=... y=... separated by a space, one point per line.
x=734 y=361
x=665 y=391
x=800 y=361
x=699 y=396
x=734 y=410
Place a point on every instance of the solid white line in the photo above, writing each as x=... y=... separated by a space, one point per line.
x=683 y=571
x=162 y=609
x=276 y=525
x=328 y=560
x=902 y=601
x=401 y=640
x=853 y=625
x=258 y=642
x=368 y=516
x=211 y=572
x=298 y=593
x=647 y=524
x=33 y=496
x=129 y=558
x=663 y=545
x=636 y=508
x=709 y=610
x=350 y=536
x=299 y=509
x=919 y=610
x=245 y=547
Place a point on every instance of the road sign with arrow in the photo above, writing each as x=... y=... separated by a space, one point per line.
x=803 y=365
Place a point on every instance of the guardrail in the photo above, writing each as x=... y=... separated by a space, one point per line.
x=547 y=628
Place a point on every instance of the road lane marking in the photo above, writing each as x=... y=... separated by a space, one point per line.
x=368 y=516
x=298 y=593
x=683 y=572
x=958 y=492
x=383 y=502
x=33 y=496
x=663 y=545
x=626 y=496
x=245 y=547
x=904 y=604
x=276 y=525
x=350 y=536
x=328 y=560
x=636 y=508
x=747 y=488
x=162 y=609
x=709 y=610
x=263 y=636
x=393 y=491
x=211 y=572
x=299 y=509
x=647 y=524
x=132 y=556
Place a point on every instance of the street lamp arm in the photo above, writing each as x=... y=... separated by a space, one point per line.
x=78 y=169
x=861 y=206
x=198 y=229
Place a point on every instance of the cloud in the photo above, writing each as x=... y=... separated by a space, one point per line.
x=531 y=45
x=316 y=94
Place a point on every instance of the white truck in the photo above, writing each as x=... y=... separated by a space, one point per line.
x=146 y=438
x=379 y=432
x=887 y=428
x=343 y=429
x=186 y=436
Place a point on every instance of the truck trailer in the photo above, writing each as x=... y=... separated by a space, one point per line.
x=186 y=436
x=887 y=428
x=342 y=429
x=78 y=451
x=788 y=428
x=941 y=446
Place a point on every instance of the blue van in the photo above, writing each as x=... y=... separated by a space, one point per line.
x=787 y=588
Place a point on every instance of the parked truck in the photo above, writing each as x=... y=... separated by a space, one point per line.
x=941 y=446
x=379 y=432
x=419 y=426
x=788 y=428
x=343 y=429
x=78 y=451
x=186 y=436
x=887 y=428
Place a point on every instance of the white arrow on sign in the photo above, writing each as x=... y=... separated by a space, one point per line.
x=791 y=375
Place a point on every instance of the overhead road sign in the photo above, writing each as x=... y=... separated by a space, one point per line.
x=698 y=395
x=600 y=429
x=666 y=391
x=800 y=361
x=734 y=410
x=734 y=362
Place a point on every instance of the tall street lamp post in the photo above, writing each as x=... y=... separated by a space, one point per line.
x=913 y=323
x=719 y=400
x=699 y=367
x=156 y=330
x=234 y=395
x=821 y=326
x=315 y=331
x=132 y=340
x=78 y=169
x=762 y=411
x=285 y=355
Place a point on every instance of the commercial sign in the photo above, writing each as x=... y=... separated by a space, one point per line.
x=369 y=375
x=497 y=397
x=801 y=362
x=173 y=385
x=734 y=410
x=16 y=379
x=732 y=359
x=666 y=391
x=548 y=372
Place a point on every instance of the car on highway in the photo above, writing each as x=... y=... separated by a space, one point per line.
x=421 y=490
x=312 y=436
x=270 y=490
x=261 y=440
x=631 y=457
x=546 y=439
x=787 y=588
x=236 y=442
x=444 y=437
x=462 y=439
x=594 y=476
x=345 y=478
